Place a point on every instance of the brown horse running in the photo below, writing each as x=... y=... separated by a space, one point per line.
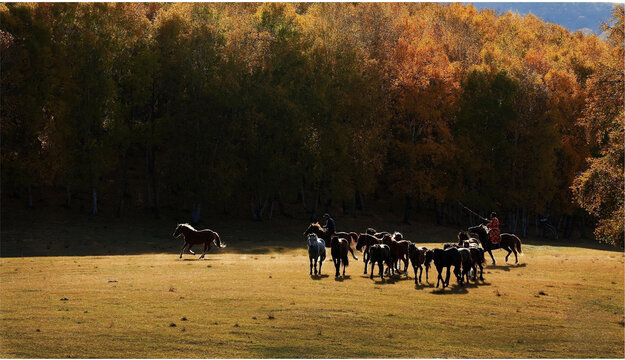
x=363 y=244
x=399 y=250
x=509 y=242
x=339 y=254
x=193 y=237
x=318 y=230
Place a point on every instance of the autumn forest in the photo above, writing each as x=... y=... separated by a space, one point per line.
x=254 y=108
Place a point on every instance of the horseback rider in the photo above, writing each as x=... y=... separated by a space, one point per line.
x=330 y=225
x=493 y=228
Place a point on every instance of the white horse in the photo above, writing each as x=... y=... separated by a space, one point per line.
x=317 y=251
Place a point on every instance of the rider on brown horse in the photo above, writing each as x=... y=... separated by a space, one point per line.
x=330 y=225
x=493 y=227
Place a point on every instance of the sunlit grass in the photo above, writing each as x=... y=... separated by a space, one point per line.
x=559 y=302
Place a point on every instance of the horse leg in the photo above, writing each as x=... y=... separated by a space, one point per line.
x=447 y=277
x=337 y=265
x=316 y=261
x=204 y=251
x=516 y=259
x=321 y=258
x=182 y=250
x=344 y=262
x=351 y=251
x=406 y=265
x=491 y=256
x=420 y=273
x=381 y=266
x=311 y=264
x=365 y=259
x=189 y=249
x=509 y=252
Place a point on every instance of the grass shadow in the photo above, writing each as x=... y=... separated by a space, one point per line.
x=342 y=278
x=319 y=277
x=452 y=289
x=506 y=267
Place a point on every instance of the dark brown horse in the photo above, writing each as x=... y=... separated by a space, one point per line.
x=417 y=255
x=509 y=242
x=445 y=259
x=399 y=251
x=339 y=250
x=363 y=244
x=380 y=254
x=193 y=237
x=318 y=230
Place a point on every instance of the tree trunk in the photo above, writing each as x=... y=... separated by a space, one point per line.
x=407 y=207
x=313 y=215
x=30 y=197
x=124 y=187
x=68 y=194
x=94 y=194
x=439 y=213
x=281 y=205
x=148 y=181
x=303 y=196
x=195 y=212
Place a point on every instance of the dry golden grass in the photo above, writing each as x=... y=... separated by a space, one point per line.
x=559 y=302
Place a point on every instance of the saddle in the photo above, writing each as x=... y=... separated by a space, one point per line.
x=494 y=235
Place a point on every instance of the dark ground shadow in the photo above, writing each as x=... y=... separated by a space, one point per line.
x=319 y=277
x=505 y=267
x=342 y=278
x=451 y=289
x=51 y=230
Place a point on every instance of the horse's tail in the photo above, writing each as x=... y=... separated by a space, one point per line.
x=518 y=245
x=218 y=241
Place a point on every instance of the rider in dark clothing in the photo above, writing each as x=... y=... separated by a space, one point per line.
x=330 y=226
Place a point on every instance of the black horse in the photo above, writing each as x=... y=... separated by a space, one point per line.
x=381 y=254
x=445 y=259
x=509 y=242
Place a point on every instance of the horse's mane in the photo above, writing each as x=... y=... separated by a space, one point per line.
x=316 y=224
x=187 y=226
x=397 y=233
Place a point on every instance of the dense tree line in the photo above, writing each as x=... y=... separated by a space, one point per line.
x=210 y=107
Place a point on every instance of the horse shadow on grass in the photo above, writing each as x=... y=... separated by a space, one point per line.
x=452 y=289
x=506 y=267
x=342 y=278
x=319 y=277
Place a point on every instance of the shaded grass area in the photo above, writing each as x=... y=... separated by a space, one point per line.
x=68 y=233
x=559 y=302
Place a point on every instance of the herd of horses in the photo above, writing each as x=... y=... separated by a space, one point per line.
x=385 y=249
x=393 y=251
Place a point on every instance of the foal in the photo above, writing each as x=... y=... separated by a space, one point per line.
x=192 y=237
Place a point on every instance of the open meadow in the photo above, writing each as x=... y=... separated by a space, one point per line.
x=256 y=299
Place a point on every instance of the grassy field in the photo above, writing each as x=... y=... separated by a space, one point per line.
x=256 y=299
